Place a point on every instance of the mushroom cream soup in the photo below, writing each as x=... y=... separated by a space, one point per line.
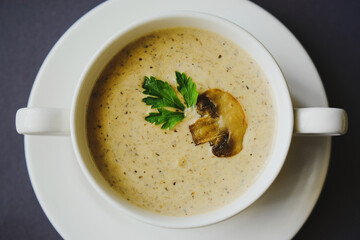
x=164 y=171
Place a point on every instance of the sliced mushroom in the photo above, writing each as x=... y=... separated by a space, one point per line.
x=205 y=130
x=223 y=123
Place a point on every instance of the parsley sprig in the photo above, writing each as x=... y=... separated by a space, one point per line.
x=162 y=95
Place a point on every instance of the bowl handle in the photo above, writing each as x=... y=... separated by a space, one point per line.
x=43 y=121
x=320 y=121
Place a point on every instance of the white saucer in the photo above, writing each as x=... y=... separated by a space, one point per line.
x=78 y=212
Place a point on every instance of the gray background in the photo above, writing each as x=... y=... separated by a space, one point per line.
x=328 y=29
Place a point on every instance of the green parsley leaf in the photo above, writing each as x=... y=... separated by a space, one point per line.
x=187 y=88
x=163 y=94
x=169 y=118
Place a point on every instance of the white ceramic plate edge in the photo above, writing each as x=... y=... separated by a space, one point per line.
x=78 y=24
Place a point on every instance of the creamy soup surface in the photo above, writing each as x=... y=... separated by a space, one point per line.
x=162 y=170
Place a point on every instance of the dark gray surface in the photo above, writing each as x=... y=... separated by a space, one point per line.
x=328 y=29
